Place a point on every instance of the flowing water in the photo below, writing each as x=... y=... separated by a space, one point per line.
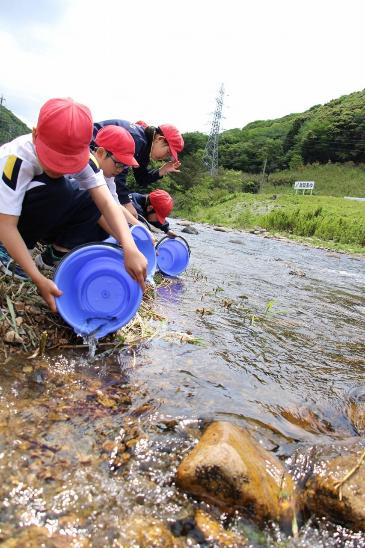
x=264 y=333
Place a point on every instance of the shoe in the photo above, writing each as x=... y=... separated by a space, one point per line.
x=9 y=266
x=48 y=260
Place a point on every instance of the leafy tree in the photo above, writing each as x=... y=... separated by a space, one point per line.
x=10 y=126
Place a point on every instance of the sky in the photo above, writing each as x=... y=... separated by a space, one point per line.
x=164 y=61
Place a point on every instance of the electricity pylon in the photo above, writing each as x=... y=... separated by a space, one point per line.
x=210 y=156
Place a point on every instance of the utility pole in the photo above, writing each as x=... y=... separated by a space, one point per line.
x=210 y=156
x=2 y=100
x=263 y=174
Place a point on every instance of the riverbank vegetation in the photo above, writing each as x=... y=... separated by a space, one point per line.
x=259 y=165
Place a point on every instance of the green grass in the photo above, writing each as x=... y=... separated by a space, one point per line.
x=322 y=220
x=330 y=179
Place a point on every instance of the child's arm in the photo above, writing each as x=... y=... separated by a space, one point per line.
x=131 y=219
x=14 y=243
x=135 y=262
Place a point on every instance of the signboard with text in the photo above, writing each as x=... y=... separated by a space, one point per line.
x=304 y=185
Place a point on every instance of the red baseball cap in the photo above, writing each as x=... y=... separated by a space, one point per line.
x=63 y=134
x=162 y=203
x=119 y=142
x=142 y=124
x=174 y=139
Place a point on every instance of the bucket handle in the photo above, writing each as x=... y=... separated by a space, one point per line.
x=144 y=221
x=176 y=237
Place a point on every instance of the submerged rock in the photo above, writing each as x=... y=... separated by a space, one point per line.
x=336 y=486
x=297 y=272
x=144 y=533
x=356 y=415
x=214 y=532
x=356 y=409
x=230 y=469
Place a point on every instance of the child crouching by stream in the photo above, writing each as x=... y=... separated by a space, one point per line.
x=38 y=203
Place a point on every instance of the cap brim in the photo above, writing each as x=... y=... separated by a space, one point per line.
x=127 y=159
x=58 y=162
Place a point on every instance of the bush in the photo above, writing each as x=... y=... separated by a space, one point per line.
x=251 y=187
x=317 y=222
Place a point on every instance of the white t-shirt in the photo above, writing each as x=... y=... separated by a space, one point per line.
x=110 y=181
x=19 y=168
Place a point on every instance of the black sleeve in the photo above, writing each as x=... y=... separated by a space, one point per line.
x=165 y=227
x=121 y=185
x=144 y=177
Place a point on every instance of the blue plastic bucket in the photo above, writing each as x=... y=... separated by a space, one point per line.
x=99 y=296
x=173 y=255
x=143 y=240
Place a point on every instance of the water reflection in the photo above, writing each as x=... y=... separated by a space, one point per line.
x=171 y=293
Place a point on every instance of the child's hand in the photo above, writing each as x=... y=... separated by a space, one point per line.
x=136 y=265
x=170 y=167
x=48 y=291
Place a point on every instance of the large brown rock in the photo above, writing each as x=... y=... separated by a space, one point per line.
x=231 y=470
x=325 y=496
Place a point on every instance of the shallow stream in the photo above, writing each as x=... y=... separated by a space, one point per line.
x=277 y=346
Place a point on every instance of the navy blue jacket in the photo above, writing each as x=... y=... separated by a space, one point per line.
x=140 y=203
x=143 y=176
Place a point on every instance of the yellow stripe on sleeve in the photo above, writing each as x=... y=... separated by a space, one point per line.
x=9 y=167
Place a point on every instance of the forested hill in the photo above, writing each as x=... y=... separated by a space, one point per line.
x=10 y=126
x=332 y=132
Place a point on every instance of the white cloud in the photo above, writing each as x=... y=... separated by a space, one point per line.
x=164 y=62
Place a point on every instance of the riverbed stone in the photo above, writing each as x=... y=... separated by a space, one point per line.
x=34 y=536
x=356 y=409
x=323 y=494
x=190 y=230
x=12 y=337
x=356 y=415
x=183 y=222
x=145 y=533
x=230 y=469
x=215 y=533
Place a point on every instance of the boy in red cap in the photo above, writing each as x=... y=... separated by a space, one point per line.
x=151 y=143
x=113 y=152
x=37 y=203
x=154 y=207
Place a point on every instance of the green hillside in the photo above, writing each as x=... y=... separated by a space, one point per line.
x=333 y=132
x=325 y=144
x=10 y=126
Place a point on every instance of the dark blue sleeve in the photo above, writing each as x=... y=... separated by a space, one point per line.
x=121 y=185
x=145 y=177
